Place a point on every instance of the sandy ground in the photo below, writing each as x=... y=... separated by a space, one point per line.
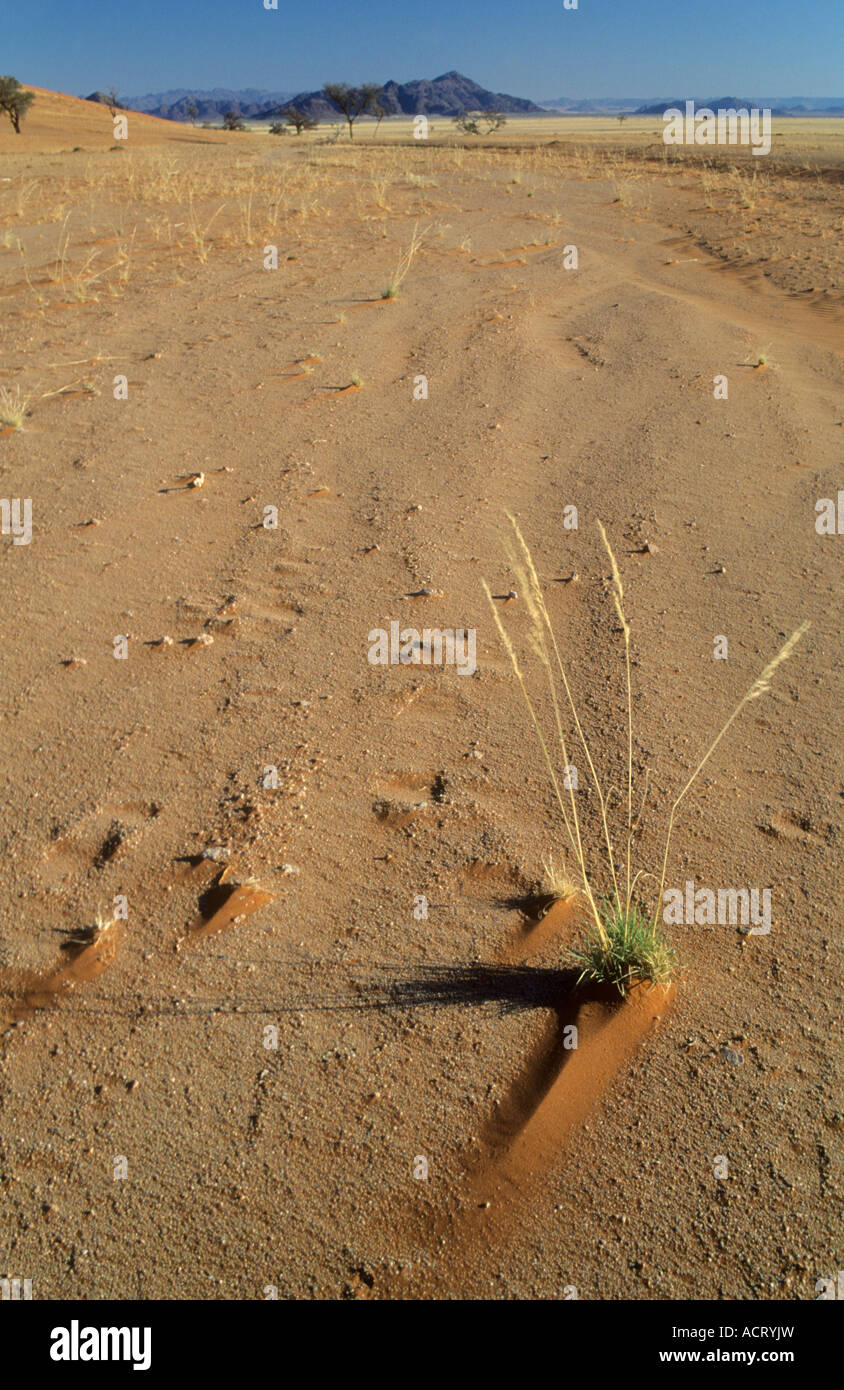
x=159 y=1138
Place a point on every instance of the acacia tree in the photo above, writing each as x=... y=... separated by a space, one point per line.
x=353 y=101
x=232 y=121
x=14 y=101
x=299 y=120
x=470 y=121
x=192 y=111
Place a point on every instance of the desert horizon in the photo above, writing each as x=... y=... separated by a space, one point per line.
x=420 y=699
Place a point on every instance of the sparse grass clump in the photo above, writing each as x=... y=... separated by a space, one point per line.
x=759 y=358
x=625 y=940
x=396 y=280
x=13 y=408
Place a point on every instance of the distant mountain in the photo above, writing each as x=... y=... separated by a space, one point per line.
x=211 y=105
x=593 y=106
x=656 y=108
x=835 y=108
x=811 y=104
x=778 y=106
x=647 y=106
x=447 y=95
x=252 y=96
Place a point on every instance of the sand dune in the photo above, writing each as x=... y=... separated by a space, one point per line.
x=57 y=121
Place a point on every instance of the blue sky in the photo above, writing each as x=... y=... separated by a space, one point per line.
x=532 y=48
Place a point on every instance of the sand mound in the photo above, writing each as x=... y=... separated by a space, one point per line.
x=57 y=122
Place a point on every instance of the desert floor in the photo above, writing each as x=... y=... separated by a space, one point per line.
x=159 y=1138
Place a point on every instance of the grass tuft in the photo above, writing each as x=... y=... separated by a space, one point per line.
x=632 y=948
x=558 y=886
x=394 y=284
x=13 y=408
